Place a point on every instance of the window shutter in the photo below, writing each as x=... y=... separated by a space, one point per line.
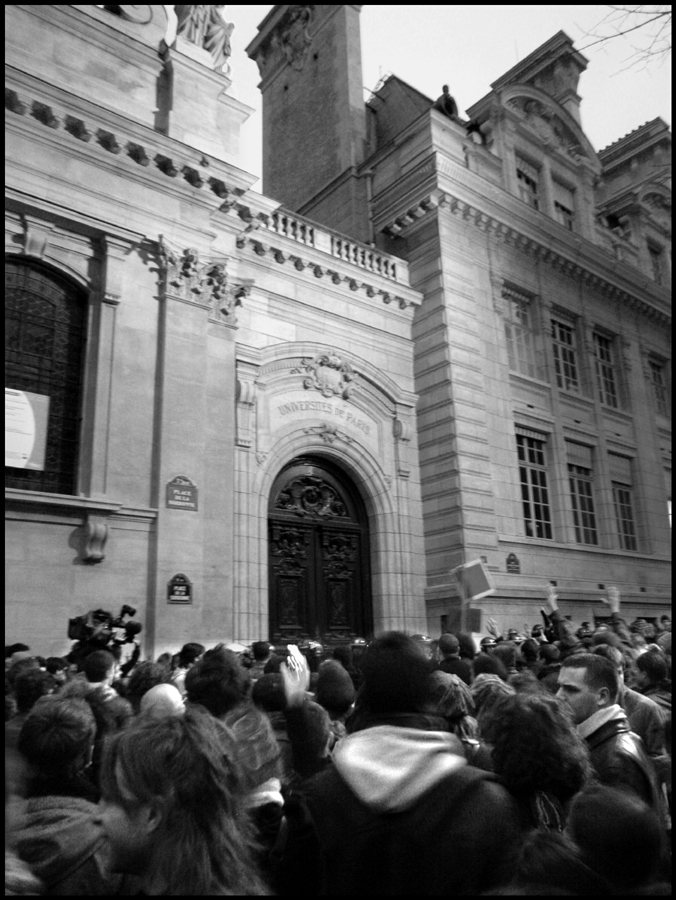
x=620 y=468
x=579 y=455
x=563 y=195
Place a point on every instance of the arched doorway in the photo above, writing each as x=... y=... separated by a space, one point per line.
x=320 y=586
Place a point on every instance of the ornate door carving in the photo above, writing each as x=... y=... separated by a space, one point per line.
x=318 y=556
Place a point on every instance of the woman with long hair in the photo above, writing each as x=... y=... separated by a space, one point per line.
x=539 y=755
x=173 y=808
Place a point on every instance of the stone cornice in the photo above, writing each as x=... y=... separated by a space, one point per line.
x=584 y=267
x=107 y=133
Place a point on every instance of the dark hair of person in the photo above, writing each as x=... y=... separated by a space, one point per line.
x=489 y=664
x=260 y=650
x=17 y=668
x=189 y=654
x=97 y=665
x=549 y=859
x=204 y=843
x=397 y=675
x=619 y=836
x=143 y=677
x=217 y=682
x=57 y=737
x=653 y=664
x=526 y=682
x=506 y=652
x=55 y=664
x=548 y=653
x=15 y=648
x=529 y=650
x=606 y=637
x=343 y=653
x=613 y=654
x=467 y=648
x=536 y=747
x=30 y=686
x=599 y=672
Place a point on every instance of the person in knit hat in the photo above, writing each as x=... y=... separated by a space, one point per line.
x=335 y=692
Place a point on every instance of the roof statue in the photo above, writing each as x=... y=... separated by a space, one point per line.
x=446 y=104
x=204 y=26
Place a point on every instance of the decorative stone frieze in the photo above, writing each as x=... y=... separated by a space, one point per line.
x=44 y=114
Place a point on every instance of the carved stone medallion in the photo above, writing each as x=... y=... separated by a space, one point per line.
x=329 y=375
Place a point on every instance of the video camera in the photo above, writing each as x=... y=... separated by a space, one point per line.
x=99 y=627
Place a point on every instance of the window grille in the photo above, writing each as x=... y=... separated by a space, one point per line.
x=45 y=327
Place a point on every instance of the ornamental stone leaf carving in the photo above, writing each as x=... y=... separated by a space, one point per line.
x=329 y=374
x=295 y=39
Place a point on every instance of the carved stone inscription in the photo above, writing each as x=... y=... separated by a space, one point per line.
x=334 y=420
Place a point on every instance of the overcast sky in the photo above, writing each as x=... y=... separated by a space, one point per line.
x=468 y=47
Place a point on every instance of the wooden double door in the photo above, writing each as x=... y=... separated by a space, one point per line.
x=320 y=588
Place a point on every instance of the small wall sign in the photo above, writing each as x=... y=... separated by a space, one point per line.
x=179 y=590
x=182 y=494
x=513 y=564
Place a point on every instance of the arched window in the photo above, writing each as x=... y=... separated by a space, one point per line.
x=45 y=332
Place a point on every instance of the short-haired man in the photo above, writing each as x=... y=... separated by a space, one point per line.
x=588 y=685
x=451 y=663
x=100 y=669
x=646 y=719
x=651 y=677
x=190 y=654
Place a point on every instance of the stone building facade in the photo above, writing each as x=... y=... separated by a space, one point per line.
x=260 y=425
x=542 y=348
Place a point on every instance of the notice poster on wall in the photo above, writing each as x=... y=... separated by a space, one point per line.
x=26 y=417
x=474 y=580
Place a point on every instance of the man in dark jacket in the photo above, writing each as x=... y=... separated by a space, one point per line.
x=589 y=685
x=449 y=647
x=400 y=801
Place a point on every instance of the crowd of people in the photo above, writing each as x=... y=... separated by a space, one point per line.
x=536 y=763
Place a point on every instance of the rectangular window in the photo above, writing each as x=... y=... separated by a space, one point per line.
x=657 y=263
x=565 y=355
x=606 y=376
x=563 y=215
x=659 y=386
x=528 y=185
x=519 y=335
x=582 y=495
x=624 y=515
x=622 y=480
x=534 y=492
x=564 y=204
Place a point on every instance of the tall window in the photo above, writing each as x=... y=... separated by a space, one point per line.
x=581 y=476
x=564 y=205
x=658 y=382
x=565 y=355
x=534 y=492
x=528 y=178
x=623 y=501
x=606 y=374
x=519 y=335
x=656 y=255
x=45 y=324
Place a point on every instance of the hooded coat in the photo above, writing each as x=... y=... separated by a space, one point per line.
x=402 y=813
